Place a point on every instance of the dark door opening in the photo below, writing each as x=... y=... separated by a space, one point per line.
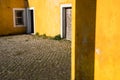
x=32 y=20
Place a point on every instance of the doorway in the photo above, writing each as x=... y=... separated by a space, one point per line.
x=31 y=21
x=66 y=21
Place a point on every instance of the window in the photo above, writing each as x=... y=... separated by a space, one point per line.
x=19 y=17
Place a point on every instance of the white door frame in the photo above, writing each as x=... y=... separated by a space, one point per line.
x=62 y=15
x=29 y=20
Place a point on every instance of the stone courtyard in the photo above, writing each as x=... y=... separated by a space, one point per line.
x=28 y=57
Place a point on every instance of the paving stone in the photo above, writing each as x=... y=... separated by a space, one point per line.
x=27 y=57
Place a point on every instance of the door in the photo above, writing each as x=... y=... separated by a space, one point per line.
x=68 y=19
x=30 y=20
x=67 y=22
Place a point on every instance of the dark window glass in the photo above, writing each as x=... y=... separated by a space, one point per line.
x=19 y=21
x=19 y=17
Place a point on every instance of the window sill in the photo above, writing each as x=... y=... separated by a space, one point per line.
x=20 y=26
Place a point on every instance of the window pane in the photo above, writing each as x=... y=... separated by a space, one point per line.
x=19 y=13
x=19 y=21
x=19 y=17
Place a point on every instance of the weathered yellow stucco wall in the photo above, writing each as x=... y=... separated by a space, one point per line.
x=6 y=17
x=97 y=36
x=47 y=15
x=107 y=56
x=83 y=39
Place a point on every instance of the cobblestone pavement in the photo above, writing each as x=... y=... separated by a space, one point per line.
x=27 y=57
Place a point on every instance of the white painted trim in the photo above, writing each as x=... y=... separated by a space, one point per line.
x=62 y=6
x=28 y=23
x=31 y=8
x=24 y=15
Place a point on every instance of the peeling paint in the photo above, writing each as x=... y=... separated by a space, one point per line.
x=98 y=51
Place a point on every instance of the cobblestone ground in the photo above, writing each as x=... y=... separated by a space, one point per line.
x=27 y=57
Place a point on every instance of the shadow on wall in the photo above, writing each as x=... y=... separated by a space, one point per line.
x=26 y=3
x=85 y=39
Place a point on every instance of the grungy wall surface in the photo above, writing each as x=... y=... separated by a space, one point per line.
x=6 y=17
x=107 y=57
x=47 y=15
x=83 y=40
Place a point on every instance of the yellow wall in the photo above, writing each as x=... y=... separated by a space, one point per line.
x=73 y=40
x=101 y=40
x=6 y=17
x=107 y=56
x=47 y=15
x=105 y=45
x=83 y=39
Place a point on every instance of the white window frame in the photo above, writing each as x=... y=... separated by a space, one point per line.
x=62 y=6
x=24 y=17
